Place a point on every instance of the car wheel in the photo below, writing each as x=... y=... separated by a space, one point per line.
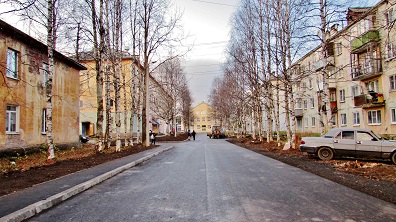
x=325 y=153
x=393 y=158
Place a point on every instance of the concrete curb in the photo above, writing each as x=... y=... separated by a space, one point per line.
x=39 y=206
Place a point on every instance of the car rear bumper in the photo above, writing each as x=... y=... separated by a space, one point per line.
x=308 y=149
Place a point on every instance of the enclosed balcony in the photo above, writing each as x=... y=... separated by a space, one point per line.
x=370 y=69
x=370 y=100
x=333 y=106
x=298 y=113
x=324 y=63
x=360 y=41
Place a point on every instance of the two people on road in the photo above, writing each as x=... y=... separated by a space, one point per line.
x=189 y=134
x=152 y=137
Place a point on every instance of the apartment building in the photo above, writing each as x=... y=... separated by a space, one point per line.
x=361 y=65
x=24 y=68
x=204 y=118
x=88 y=98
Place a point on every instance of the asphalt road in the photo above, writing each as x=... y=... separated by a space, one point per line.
x=213 y=180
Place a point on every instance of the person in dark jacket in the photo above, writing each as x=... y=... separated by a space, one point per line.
x=193 y=134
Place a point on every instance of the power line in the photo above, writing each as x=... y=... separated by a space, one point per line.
x=214 y=3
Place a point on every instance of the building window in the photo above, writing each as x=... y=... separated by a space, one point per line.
x=44 y=121
x=340 y=71
x=333 y=96
x=355 y=91
x=298 y=104
x=374 y=117
x=12 y=64
x=372 y=86
x=389 y=17
x=45 y=74
x=333 y=119
x=310 y=84
x=313 y=121
x=356 y=118
x=338 y=48
x=393 y=115
x=343 y=119
x=305 y=104
x=208 y=119
x=197 y=120
x=312 y=101
x=342 y=95
x=198 y=126
x=392 y=80
x=299 y=123
x=306 y=122
x=12 y=115
x=390 y=51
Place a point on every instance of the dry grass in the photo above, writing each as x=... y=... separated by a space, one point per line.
x=25 y=162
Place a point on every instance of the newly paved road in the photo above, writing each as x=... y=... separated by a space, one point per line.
x=213 y=180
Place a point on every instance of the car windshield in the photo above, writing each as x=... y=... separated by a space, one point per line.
x=378 y=136
x=331 y=133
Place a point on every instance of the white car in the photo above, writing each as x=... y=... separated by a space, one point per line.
x=349 y=142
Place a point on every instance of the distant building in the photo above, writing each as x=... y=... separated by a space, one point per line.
x=204 y=118
x=23 y=66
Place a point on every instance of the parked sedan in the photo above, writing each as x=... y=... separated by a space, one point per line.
x=349 y=142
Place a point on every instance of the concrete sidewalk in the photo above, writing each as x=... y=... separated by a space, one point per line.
x=31 y=201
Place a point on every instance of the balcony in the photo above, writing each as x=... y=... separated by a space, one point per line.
x=370 y=36
x=298 y=112
x=371 y=69
x=333 y=106
x=323 y=63
x=370 y=100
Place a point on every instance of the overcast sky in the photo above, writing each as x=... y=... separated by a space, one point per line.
x=208 y=22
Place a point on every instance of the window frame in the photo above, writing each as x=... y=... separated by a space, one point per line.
x=343 y=119
x=45 y=69
x=393 y=115
x=338 y=48
x=313 y=121
x=342 y=95
x=377 y=117
x=8 y=119
x=392 y=82
x=44 y=121
x=12 y=73
x=312 y=101
x=356 y=118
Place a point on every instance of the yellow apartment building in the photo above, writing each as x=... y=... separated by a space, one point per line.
x=204 y=118
x=23 y=66
x=361 y=64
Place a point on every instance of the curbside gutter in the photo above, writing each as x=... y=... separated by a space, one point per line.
x=42 y=205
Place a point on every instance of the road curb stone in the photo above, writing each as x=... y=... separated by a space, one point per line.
x=36 y=208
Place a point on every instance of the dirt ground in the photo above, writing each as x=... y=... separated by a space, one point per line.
x=375 y=178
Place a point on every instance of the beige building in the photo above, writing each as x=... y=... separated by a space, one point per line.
x=88 y=100
x=23 y=66
x=361 y=64
x=204 y=118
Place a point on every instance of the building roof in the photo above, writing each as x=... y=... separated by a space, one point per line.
x=17 y=34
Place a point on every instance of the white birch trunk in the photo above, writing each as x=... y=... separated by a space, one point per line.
x=51 y=47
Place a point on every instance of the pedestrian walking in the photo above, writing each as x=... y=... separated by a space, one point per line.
x=193 y=134
x=152 y=137
x=188 y=134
